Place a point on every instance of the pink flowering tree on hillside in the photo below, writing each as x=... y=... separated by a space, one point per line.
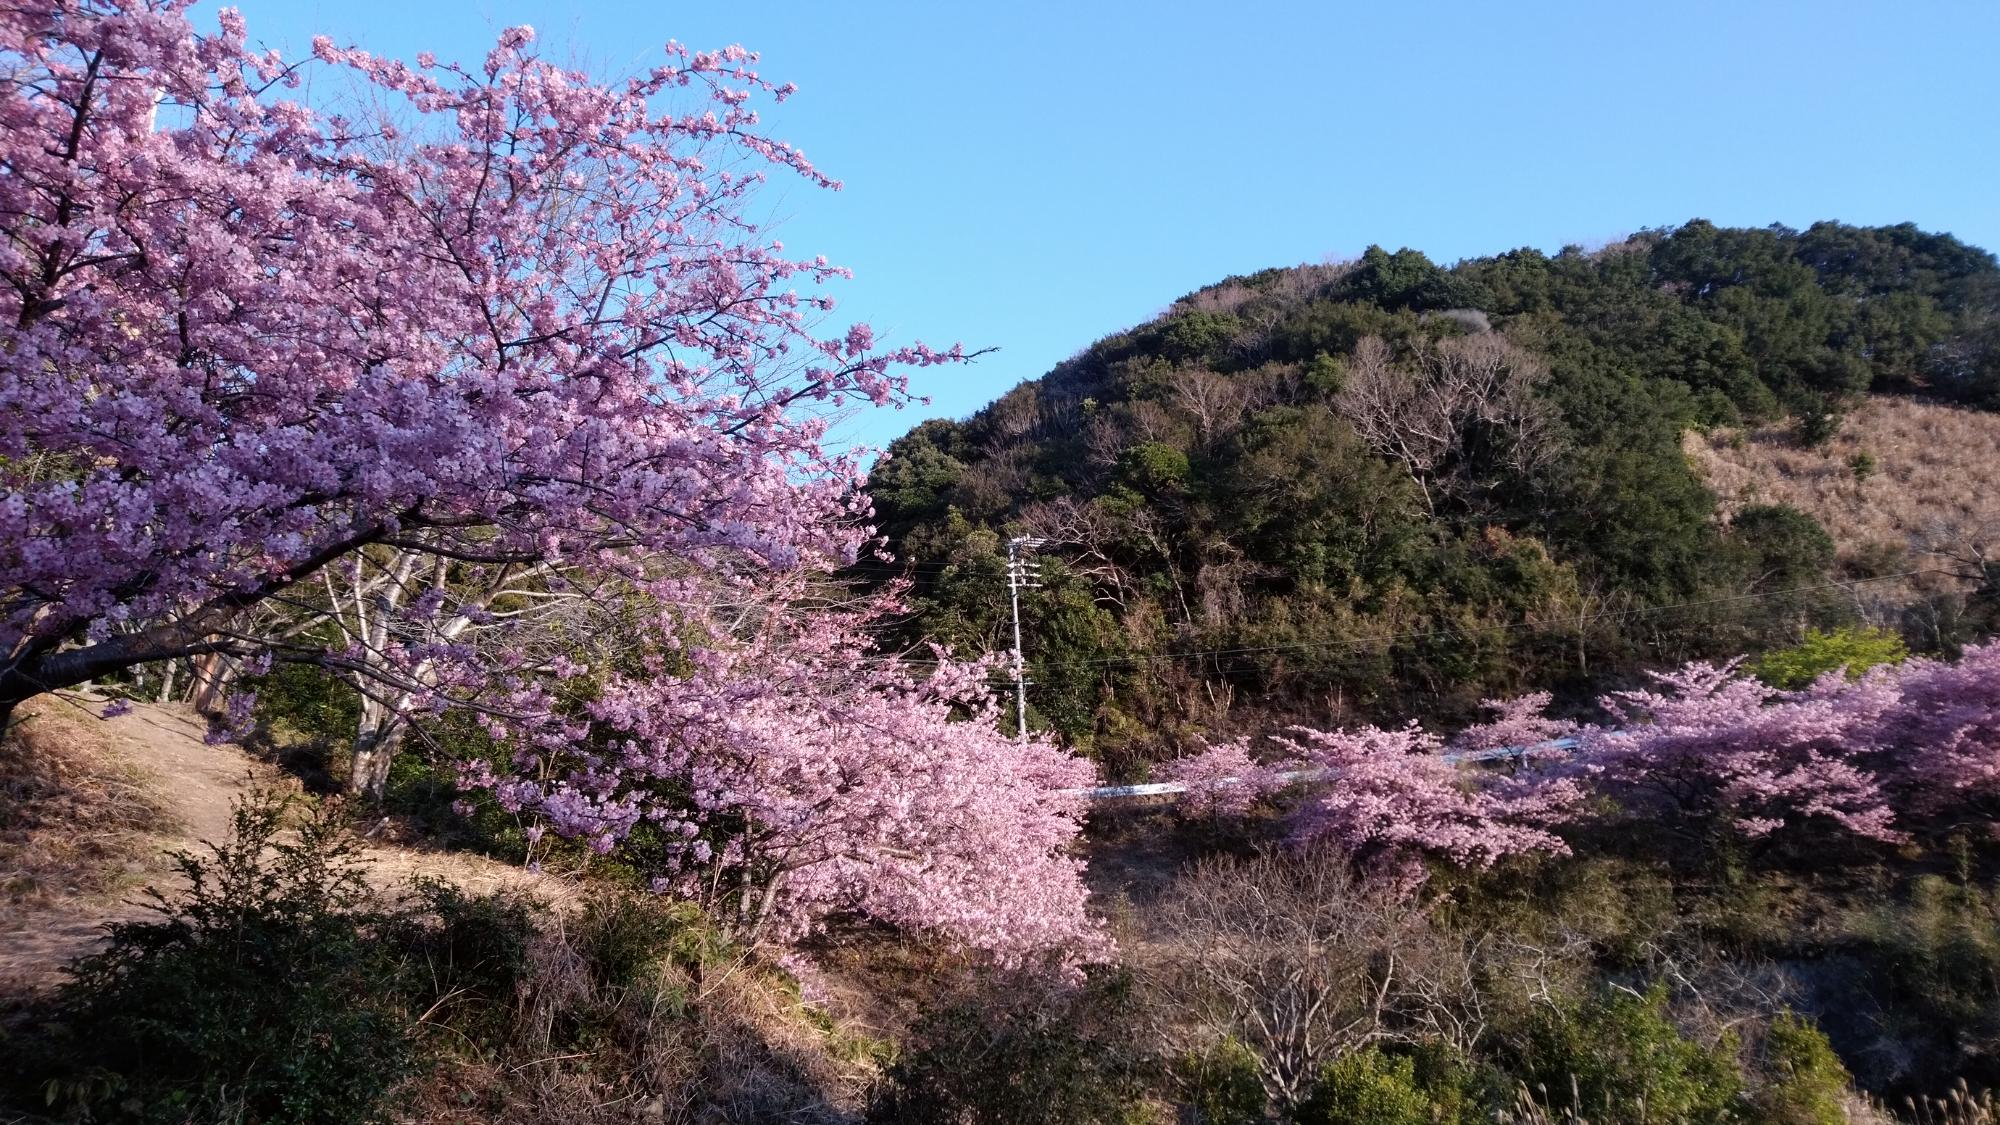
x=1225 y=781
x=1389 y=799
x=786 y=776
x=1521 y=723
x=1394 y=800
x=1943 y=735
x=1709 y=748
x=516 y=319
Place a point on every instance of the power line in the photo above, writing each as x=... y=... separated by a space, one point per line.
x=1393 y=638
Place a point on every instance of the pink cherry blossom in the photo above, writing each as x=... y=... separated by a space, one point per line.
x=1224 y=781
x=511 y=316
x=788 y=776
x=1708 y=742
x=1393 y=800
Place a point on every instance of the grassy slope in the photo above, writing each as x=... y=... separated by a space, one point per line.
x=1933 y=491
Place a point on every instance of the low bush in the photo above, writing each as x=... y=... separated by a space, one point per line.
x=462 y=958
x=1367 y=1087
x=1935 y=955
x=1220 y=1085
x=1805 y=1083
x=259 y=994
x=1618 y=1054
x=1853 y=649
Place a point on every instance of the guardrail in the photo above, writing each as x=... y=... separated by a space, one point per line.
x=1175 y=788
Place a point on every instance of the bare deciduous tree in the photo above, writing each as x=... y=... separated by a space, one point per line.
x=1087 y=538
x=1453 y=403
x=1215 y=403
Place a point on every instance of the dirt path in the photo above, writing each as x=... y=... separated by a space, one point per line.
x=161 y=749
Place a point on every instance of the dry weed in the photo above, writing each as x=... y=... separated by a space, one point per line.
x=1960 y=1107
x=74 y=818
x=1902 y=477
x=679 y=1042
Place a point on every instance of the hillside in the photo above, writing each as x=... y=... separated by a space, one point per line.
x=1905 y=485
x=1389 y=487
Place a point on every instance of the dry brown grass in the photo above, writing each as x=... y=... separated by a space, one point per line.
x=1934 y=489
x=1960 y=1107
x=76 y=820
x=725 y=1039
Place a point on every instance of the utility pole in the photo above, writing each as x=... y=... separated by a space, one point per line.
x=1022 y=574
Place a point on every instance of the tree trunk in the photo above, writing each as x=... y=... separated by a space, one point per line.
x=214 y=674
x=380 y=736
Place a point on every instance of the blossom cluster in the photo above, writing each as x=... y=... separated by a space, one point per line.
x=1704 y=747
x=504 y=314
x=789 y=777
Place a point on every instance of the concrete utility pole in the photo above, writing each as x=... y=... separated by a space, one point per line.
x=1022 y=574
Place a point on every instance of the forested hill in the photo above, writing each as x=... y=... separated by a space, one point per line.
x=1389 y=487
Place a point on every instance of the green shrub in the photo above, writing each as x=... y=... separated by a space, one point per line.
x=1806 y=1083
x=463 y=957
x=1368 y=1087
x=260 y=994
x=1619 y=1051
x=1819 y=424
x=623 y=936
x=1153 y=468
x=1220 y=1085
x=1856 y=650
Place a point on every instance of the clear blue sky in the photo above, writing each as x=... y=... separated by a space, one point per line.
x=1033 y=176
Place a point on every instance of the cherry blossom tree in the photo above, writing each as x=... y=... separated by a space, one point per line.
x=1521 y=723
x=1224 y=781
x=515 y=317
x=1705 y=750
x=1395 y=800
x=1389 y=799
x=786 y=776
x=1942 y=734
x=1709 y=747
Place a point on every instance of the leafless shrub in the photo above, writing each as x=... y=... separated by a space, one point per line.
x=1214 y=403
x=1225 y=299
x=1298 y=960
x=1015 y=416
x=1474 y=321
x=1223 y=584
x=1082 y=534
x=1103 y=440
x=1307 y=281
x=1148 y=421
